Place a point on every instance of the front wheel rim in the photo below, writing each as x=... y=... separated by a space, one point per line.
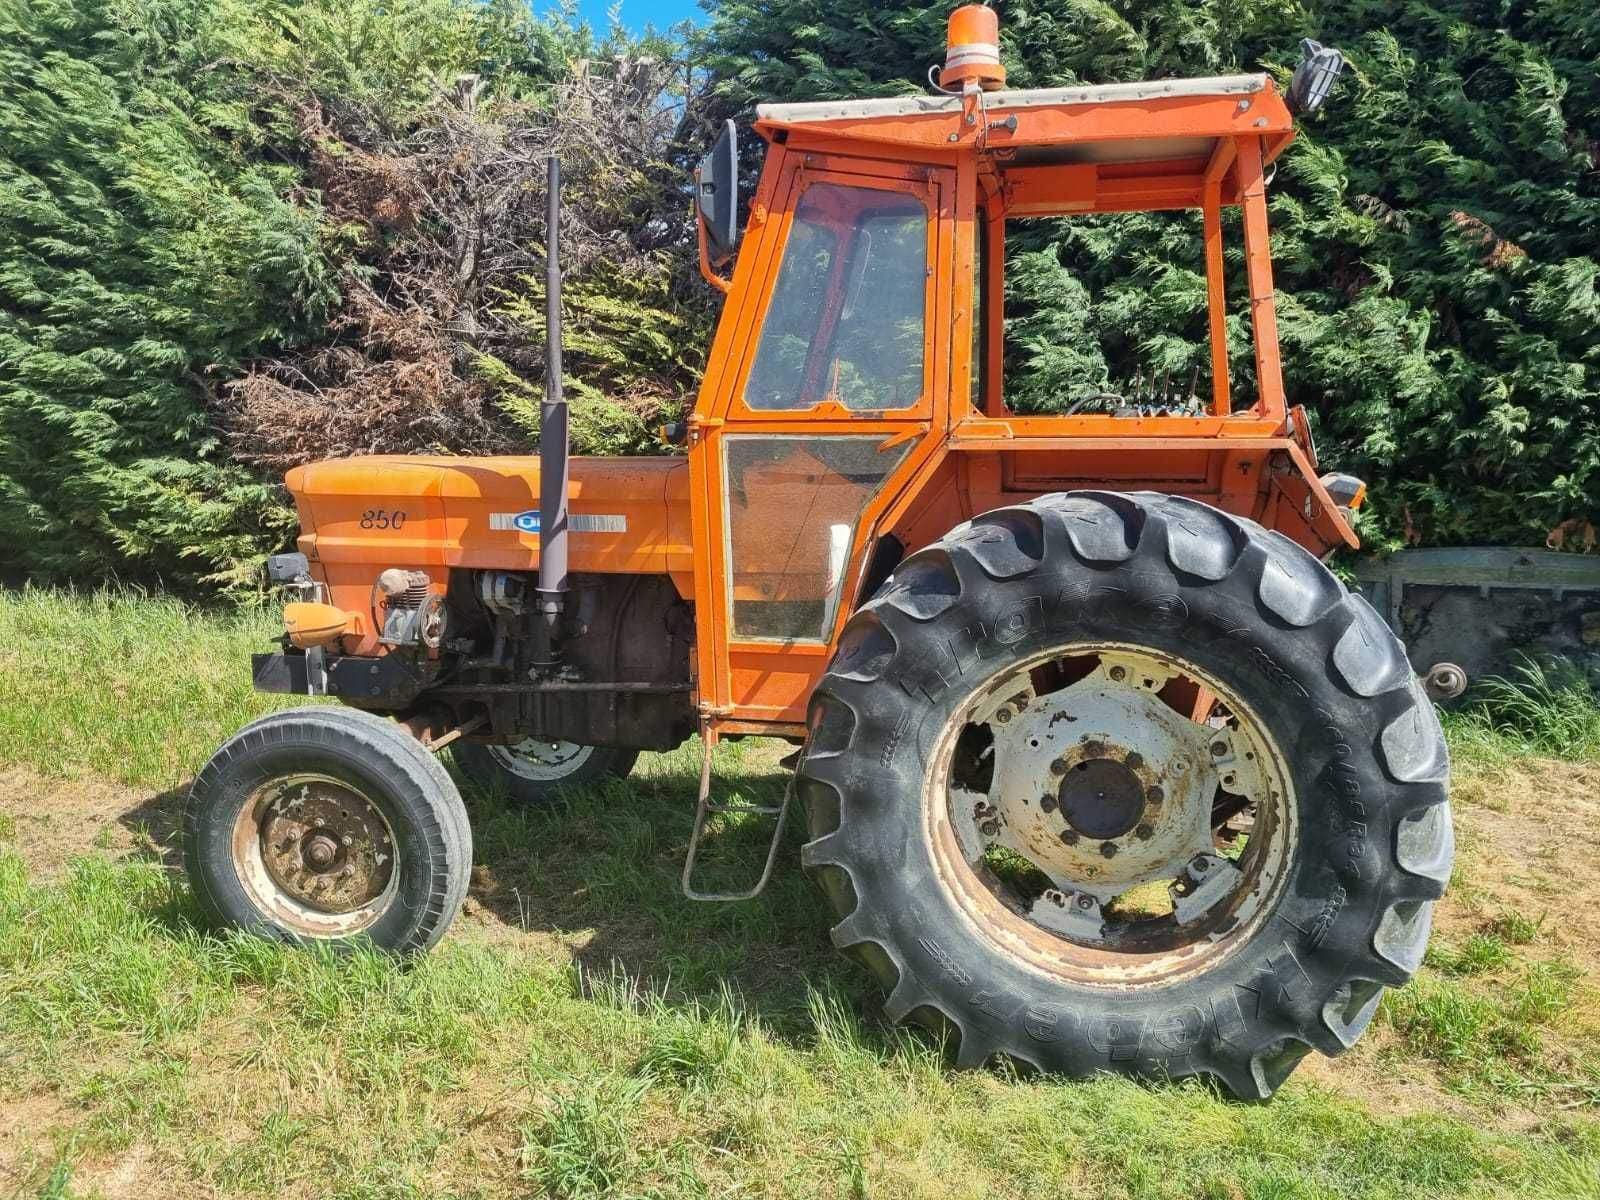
x=1091 y=829
x=316 y=855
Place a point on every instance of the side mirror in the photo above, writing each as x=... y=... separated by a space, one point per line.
x=717 y=196
x=1314 y=78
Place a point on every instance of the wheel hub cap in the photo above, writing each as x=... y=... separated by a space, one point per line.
x=1102 y=798
x=325 y=846
x=1103 y=787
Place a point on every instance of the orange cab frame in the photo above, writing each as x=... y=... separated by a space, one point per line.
x=975 y=161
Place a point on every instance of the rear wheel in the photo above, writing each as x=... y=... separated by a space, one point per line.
x=536 y=770
x=1109 y=782
x=322 y=824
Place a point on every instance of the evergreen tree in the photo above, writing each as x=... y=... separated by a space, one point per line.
x=144 y=254
x=1434 y=229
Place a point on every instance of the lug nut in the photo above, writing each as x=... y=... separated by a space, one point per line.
x=1108 y=849
x=1003 y=716
x=1059 y=767
x=1047 y=802
x=1085 y=902
x=1219 y=748
x=1155 y=795
x=1118 y=674
x=1135 y=761
x=989 y=829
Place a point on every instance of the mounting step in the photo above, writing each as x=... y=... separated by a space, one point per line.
x=705 y=807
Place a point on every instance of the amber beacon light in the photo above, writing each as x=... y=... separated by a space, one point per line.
x=972 y=51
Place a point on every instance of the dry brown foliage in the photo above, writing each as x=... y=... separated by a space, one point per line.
x=445 y=229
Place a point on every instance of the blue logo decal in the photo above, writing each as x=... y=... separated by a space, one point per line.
x=527 y=522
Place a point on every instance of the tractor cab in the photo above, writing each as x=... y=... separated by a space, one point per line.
x=857 y=405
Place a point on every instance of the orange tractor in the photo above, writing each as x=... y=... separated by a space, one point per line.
x=1102 y=768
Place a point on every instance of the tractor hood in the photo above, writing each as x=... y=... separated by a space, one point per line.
x=359 y=516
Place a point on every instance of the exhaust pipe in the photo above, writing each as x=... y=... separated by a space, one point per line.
x=553 y=447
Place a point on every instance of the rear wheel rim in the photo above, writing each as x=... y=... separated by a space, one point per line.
x=542 y=760
x=1087 y=826
x=316 y=855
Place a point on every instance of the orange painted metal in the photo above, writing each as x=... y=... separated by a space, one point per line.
x=973 y=163
x=361 y=516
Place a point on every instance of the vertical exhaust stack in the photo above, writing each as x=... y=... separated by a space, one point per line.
x=553 y=448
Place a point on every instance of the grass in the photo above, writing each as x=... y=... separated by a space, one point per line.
x=93 y=681
x=1542 y=707
x=585 y=1032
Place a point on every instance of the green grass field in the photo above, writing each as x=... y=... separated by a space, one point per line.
x=586 y=1032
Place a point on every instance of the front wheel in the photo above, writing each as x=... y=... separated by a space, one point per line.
x=1122 y=783
x=536 y=770
x=328 y=825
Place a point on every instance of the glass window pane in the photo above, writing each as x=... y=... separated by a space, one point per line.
x=847 y=316
x=792 y=507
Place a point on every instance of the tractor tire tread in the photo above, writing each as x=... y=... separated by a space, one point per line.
x=1094 y=536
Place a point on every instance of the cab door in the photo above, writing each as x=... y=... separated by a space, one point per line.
x=832 y=375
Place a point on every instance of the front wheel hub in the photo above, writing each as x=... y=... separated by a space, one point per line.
x=317 y=853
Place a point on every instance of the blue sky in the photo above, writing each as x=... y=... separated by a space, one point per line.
x=636 y=14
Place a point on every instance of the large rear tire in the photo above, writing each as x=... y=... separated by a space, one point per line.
x=322 y=824
x=1110 y=782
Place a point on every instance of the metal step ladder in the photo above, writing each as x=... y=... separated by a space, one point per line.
x=705 y=807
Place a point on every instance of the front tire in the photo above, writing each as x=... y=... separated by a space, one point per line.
x=537 y=770
x=1084 y=621
x=322 y=824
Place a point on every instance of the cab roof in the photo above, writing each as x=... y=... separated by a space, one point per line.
x=1162 y=120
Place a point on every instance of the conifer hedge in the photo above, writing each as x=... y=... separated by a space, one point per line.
x=1436 y=231
x=146 y=252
